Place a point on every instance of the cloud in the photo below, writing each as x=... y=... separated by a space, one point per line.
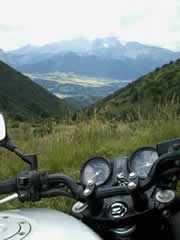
x=7 y=28
x=39 y=22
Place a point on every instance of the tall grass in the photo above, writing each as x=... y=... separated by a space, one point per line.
x=66 y=147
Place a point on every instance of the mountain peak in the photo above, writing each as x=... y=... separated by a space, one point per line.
x=27 y=49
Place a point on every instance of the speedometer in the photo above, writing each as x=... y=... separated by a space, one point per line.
x=142 y=161
x=97 y=169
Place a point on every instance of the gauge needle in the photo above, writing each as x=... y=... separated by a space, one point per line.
x=97 y=173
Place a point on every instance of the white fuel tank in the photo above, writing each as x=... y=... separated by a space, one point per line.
x=42 y=224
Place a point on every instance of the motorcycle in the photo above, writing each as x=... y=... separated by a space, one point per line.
x=126 y=198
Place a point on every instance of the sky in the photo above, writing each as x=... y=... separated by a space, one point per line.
x=38 y=22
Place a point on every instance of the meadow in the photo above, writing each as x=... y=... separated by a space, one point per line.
x=65 y=146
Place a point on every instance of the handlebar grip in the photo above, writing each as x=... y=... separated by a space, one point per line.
x=8 y=186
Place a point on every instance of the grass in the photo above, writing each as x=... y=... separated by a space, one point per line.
x=65 y=147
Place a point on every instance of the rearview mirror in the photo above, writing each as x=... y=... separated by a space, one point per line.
x=2 y=128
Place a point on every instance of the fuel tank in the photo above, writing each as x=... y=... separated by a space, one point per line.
x=41 y=224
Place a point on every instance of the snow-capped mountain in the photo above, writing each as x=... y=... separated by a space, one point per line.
x=112 y=47
x=109 y=47
x=103 y=57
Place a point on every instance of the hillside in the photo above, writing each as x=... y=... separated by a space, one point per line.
x=23 y=99
x=160 y=86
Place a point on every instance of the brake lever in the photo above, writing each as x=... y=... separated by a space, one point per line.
x=9 y=198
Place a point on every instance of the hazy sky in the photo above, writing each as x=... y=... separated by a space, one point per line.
x=37 y=22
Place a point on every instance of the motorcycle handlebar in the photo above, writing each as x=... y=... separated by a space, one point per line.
x=52 y=180
x=54 y=193
x=27 y=181
x=76 y=189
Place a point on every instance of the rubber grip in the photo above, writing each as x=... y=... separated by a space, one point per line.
x=8 y=186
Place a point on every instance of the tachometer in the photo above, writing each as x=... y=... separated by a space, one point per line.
x=142 y=161
x=97 y=169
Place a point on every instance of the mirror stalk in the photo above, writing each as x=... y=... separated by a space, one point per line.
x=30 y=159
x=6 y=142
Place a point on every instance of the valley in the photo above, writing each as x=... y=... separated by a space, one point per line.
x=78 y=90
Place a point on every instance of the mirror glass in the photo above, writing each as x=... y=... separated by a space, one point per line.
x=2 y=128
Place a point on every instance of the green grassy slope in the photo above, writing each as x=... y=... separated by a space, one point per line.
x=22 y=99
x=160 y=86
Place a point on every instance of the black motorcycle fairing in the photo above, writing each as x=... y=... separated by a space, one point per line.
x=168 y=146
x=174 y=226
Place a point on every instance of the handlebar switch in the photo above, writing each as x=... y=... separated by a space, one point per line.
x=28 y=185
x=22 y=181
x=44 y=180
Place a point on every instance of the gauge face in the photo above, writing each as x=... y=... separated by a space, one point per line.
x=142 y=161
x=97 y=169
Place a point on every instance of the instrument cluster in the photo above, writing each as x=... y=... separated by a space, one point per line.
x=101 y=169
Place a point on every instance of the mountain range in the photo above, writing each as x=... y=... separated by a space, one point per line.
x=93 y=66
x=110 y=47
x=103 y=57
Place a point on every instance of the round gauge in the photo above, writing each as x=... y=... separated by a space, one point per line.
x=142 y=161
x=97 y=169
